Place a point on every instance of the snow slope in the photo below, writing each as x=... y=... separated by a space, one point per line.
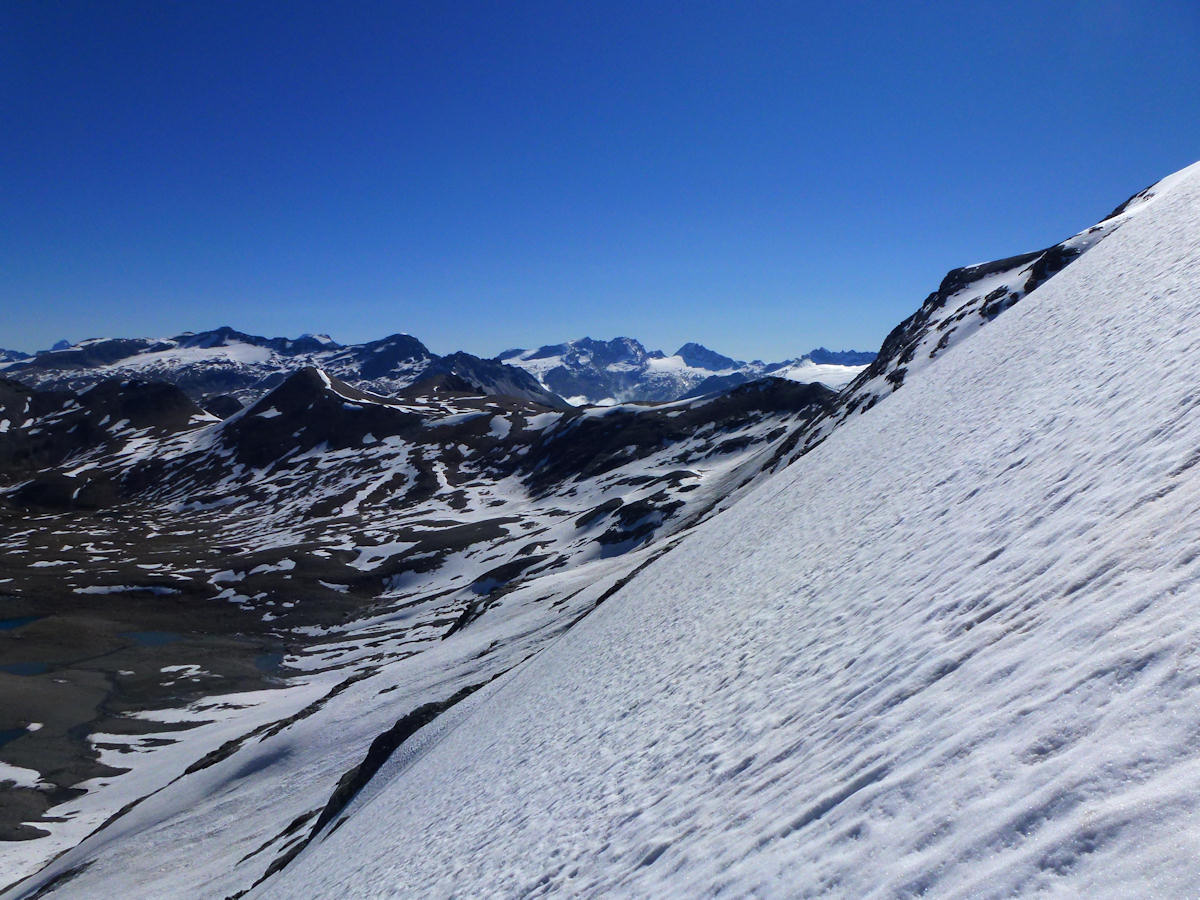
x=953 y=650
x=967 y=299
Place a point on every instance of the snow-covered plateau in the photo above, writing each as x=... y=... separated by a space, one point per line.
x=936 y=634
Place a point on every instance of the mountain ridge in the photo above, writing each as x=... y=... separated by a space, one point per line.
x=225 y=362
x=951 y=651
x=222 y=365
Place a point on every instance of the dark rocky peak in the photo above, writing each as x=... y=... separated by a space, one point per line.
x=225 y=335
x=217 y=337
x=384 y=357
x=12 y=355
x=700 y=357
x=968 y=298
x=138 y=404
x=305 y=345
x=766 y=395
x=19 y=402
x=1140 y=197
x=494 y=377
x=1028 y=272
x=546 y=351
x=440 y=384
x=310 y=387
x=607 y=353
x=143 y=404
x=61 y=344
x=957 y=279
x=47 y=428
x=222 y=405
x=323 y=339
x=308 y=409
x=15 y=401
x=592 y=443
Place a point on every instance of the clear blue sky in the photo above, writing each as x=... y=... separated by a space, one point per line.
x=759 y=177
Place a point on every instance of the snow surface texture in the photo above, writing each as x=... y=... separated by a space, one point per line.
x=955 y=649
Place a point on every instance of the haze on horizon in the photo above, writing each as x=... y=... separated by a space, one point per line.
x=760 y=179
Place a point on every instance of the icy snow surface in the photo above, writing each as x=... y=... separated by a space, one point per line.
x=955 y=649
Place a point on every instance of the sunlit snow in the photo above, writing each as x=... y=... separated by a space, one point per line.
x=955 y=649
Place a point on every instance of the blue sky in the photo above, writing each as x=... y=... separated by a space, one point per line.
x=759 y=177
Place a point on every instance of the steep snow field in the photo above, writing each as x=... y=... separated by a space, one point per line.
x=955 y=649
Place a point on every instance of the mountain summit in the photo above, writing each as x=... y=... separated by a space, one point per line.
x=224 y=369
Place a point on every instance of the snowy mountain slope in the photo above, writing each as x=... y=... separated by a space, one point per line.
x=954 y=650
x=378 y=554
x=967 y=299
x=228 y=362
x=591 y=371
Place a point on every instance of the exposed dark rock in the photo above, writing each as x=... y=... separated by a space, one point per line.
x=589 y=445
x=222 y=405
x=702 y=358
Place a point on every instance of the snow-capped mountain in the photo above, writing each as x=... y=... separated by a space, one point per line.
x=933 y=634
x=221 y=366
x=7 y=356
x=621 y=370
x=211 y=366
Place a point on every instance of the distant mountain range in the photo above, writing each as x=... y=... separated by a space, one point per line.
x=224 y=369
x=228 y=369
x=591 y=371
